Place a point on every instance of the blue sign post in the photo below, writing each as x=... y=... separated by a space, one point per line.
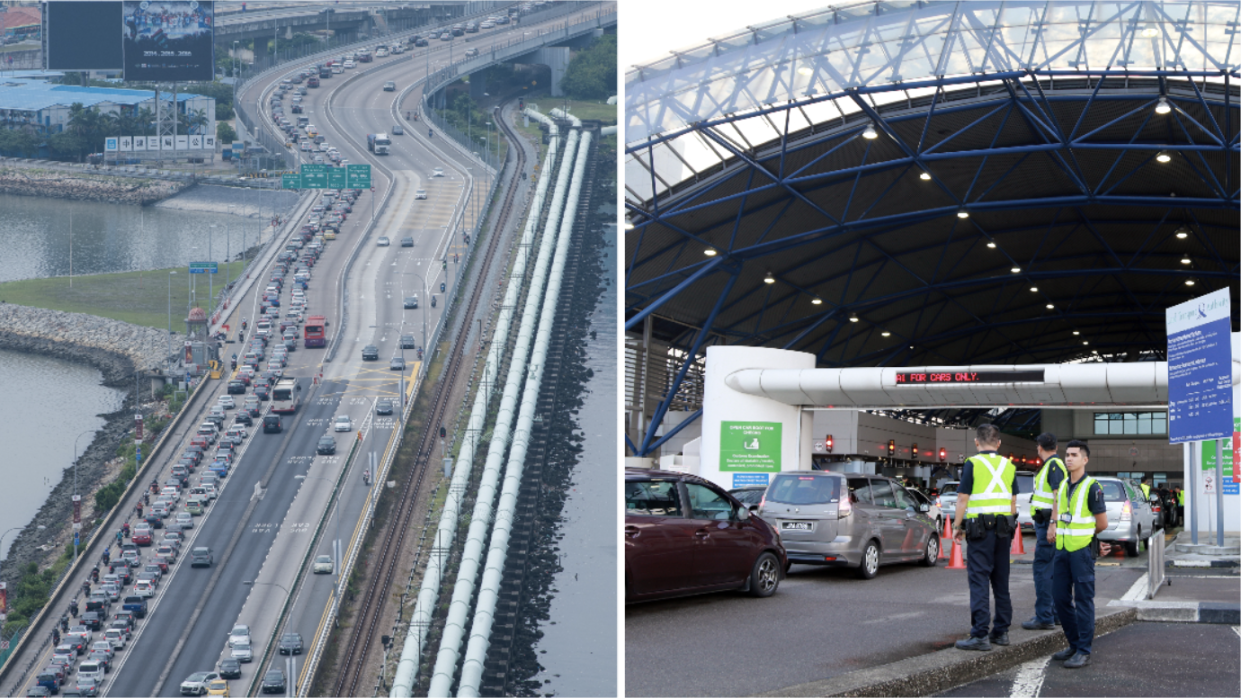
x=1200 y=388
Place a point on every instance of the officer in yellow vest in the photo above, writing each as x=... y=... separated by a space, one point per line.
x=1042 y=500
x=1146 y=487
x=986 y=495
x=1078 y=515
x=1180 y=505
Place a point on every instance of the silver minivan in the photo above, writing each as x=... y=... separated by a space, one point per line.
x=1129 y=515
x=849 y=520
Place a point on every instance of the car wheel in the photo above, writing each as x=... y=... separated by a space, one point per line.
x=1131 y=547
x=765 y=576
x=870 y=561
x=932 y=552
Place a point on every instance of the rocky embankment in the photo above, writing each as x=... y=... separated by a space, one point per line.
x=81 y=186
x=250 y=203
x=117 y=349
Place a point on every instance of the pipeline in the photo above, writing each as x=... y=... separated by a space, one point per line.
x=607 y=131
x=489 y=590
x=480 y=520
x=406 y=672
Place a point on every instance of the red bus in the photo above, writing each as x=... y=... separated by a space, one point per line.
x=315 y=334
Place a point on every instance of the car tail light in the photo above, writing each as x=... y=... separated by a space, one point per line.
x=846 y=506
x=939 y=502
x=1126 y=512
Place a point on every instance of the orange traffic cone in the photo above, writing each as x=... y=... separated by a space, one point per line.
x=945 y=538
x=957 y=562
x=1018 y=546
x=1120 y=551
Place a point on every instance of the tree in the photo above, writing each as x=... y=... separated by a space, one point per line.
x=592 y=73
x=197 y=120
x=225 y=133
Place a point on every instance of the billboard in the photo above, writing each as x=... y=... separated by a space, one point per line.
x=76 y=39
x=169 y=40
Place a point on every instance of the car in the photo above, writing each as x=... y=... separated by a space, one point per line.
x=144 y=588
x=947 y=498
x=92 y=620
x=1130 y=519
x=200 y=557
x=196 y=684
x=117 y=637
x=343 y=423
x=326 y=446
x=420 y=193
x=407 y=242
x=185 y=520
x=407 y=342
x=219 y=687
x=389 y=86
x=291 y=643
x=383 y=241
x=397 y=130
x=933 y=510
x=38 y=691
x=271 y=424
x=239 y=633
x=273 y=681
x=396 y=364
x=323 y=564
x=229 y=668
x=668 y=515
x=383 y=406
x=411 y=302
x=80 y=632
x=241 y=652
x=94 y=670
x=437 y=172
x=246 y=418
x=227 y=402
x=370 y=352
x=844 y=520
x=104 y=646
x=237 y=387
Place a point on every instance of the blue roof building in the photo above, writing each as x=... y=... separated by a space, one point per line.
x=28 y=101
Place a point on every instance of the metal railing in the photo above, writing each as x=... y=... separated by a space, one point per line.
x=1155 y=573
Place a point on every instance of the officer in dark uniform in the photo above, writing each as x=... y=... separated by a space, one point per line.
x=1042 y=500
x=986 y=495
x=1079 y=515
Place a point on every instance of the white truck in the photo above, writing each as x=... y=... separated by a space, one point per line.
x=378 y=143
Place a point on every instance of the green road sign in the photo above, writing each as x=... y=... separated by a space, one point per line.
x=291 y=181
x=750 y=447
x=359 y=176
x=204 y=268
x=314 y=176
x=336 y=178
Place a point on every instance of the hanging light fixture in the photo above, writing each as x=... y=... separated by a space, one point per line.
x=769 y=279
x=1149 y=31
x=1051 y=306
x=869 y=133
x=1034 y=289
x=816 y=301
x=1076 y=333
x=1085 y=344
x=628 y=223
x=1186 y=260
x=1015 y=270
x=1163 y=157
x=1163 y=107
x=1189 y=282
x=852 y=317
x=925 y=176
x=887 y=334
x=1182 y=232
x=962 y=213
x=710 y=252
x=805 y=70
x=991 y=244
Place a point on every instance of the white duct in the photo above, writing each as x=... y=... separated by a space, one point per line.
x=489 y=590
x=424 y=608
x=607 y=130
x=480 y=520
x=574 y=122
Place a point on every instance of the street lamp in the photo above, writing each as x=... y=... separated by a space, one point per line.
x=189 y=284
x=168 y=356
x=76 y=521
x=210 y=276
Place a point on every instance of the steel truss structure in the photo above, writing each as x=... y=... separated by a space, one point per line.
x=829 y=185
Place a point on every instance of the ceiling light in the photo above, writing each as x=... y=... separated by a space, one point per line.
x=887 y=334
x=1189 y=282
x=962 y=213
x=1186 y=260
x=769 y=279
x=1015 y=270
x=1051 y=306
x=869 y=133
x=628 y=224
x=1085 y=343
x=816 y=301
x=991 y=245
x=1149 y=31
x=1034 y=289
x=710 y=252
x=925 y=176
x=1075 y=333
x=1163 y=107
x=805 y=70
x=1163 y=157
x=852 y=317
x=1182 y=232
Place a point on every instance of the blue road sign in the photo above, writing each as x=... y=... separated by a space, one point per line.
x=1200 y=369
x=747 y=479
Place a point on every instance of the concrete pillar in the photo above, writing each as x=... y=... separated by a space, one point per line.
x=556 y=58
x=748 y=438
x=478 y=85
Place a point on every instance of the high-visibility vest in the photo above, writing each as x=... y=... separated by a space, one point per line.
x=1077 y=532
x=1180 y=498
x=1146 y=490
x=1043 y=496
x=992 y=494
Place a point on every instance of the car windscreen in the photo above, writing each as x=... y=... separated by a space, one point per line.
x=1025 y=484
x=803 y=489
x=1113 y=491
x=948 y=488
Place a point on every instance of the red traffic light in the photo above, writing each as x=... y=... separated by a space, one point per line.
x=891 y=447
x=943 y=455
x=913 y=451
x=827 y=443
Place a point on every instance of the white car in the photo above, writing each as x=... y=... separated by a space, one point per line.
x=185 y=520
x=171 y=492
x=116 y=636
x=144 y=588
x=437 y=172
x=241 y=652
x=420 y=194
x=196 y=683
x=350 y=64
x=227 y=402
x=212 y=492
x=323 y=564
x=343 y=423
x=238 y=635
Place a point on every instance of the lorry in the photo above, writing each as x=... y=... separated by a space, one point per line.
x=378 y=143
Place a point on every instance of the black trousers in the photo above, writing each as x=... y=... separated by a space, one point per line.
x=986 y=566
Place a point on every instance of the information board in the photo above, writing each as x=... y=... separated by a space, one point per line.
x=1200 y=369
x=314 y=176
x=750 y=447
x=359 y=176
x=336 y=178
x=290 y=181
x=204 y=268
x=168 y=40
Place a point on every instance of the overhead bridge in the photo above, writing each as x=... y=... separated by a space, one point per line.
x=340 y=21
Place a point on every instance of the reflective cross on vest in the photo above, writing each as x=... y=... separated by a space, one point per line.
x=1076 y=525
x=992 y=494
x=1043 y=497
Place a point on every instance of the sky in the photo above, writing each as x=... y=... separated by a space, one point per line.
x=655 y=27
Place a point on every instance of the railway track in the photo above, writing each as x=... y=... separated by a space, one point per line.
x=384 y=560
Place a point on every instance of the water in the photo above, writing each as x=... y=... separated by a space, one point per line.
x=39 y=434
x=35 y=234
x=581 y=646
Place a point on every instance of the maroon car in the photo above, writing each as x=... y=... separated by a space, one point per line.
x=685 y=535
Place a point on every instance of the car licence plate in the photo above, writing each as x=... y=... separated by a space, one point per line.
x=796 y=526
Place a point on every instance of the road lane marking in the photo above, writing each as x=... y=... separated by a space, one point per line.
x=1029 y=680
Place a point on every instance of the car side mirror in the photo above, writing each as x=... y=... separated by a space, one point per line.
x=924 y=507
x=743 y=514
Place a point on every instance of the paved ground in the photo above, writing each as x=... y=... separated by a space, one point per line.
x=1143 y=659
x=821 y=623
x=1216 y=588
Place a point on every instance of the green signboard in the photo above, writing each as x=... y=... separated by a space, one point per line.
x=314 y=176
x=204 y=268
x=359 y=176
x=291 y=181
x=750 y=447
x=336 y=178
x=1227 y=459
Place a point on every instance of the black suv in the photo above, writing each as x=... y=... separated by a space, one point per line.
x=383 y=407
x=237 y=387
x=327 y=446
x=407 y=342
x=290 y=643
x=271 y=424
x=273 y=681
x=370 y=352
